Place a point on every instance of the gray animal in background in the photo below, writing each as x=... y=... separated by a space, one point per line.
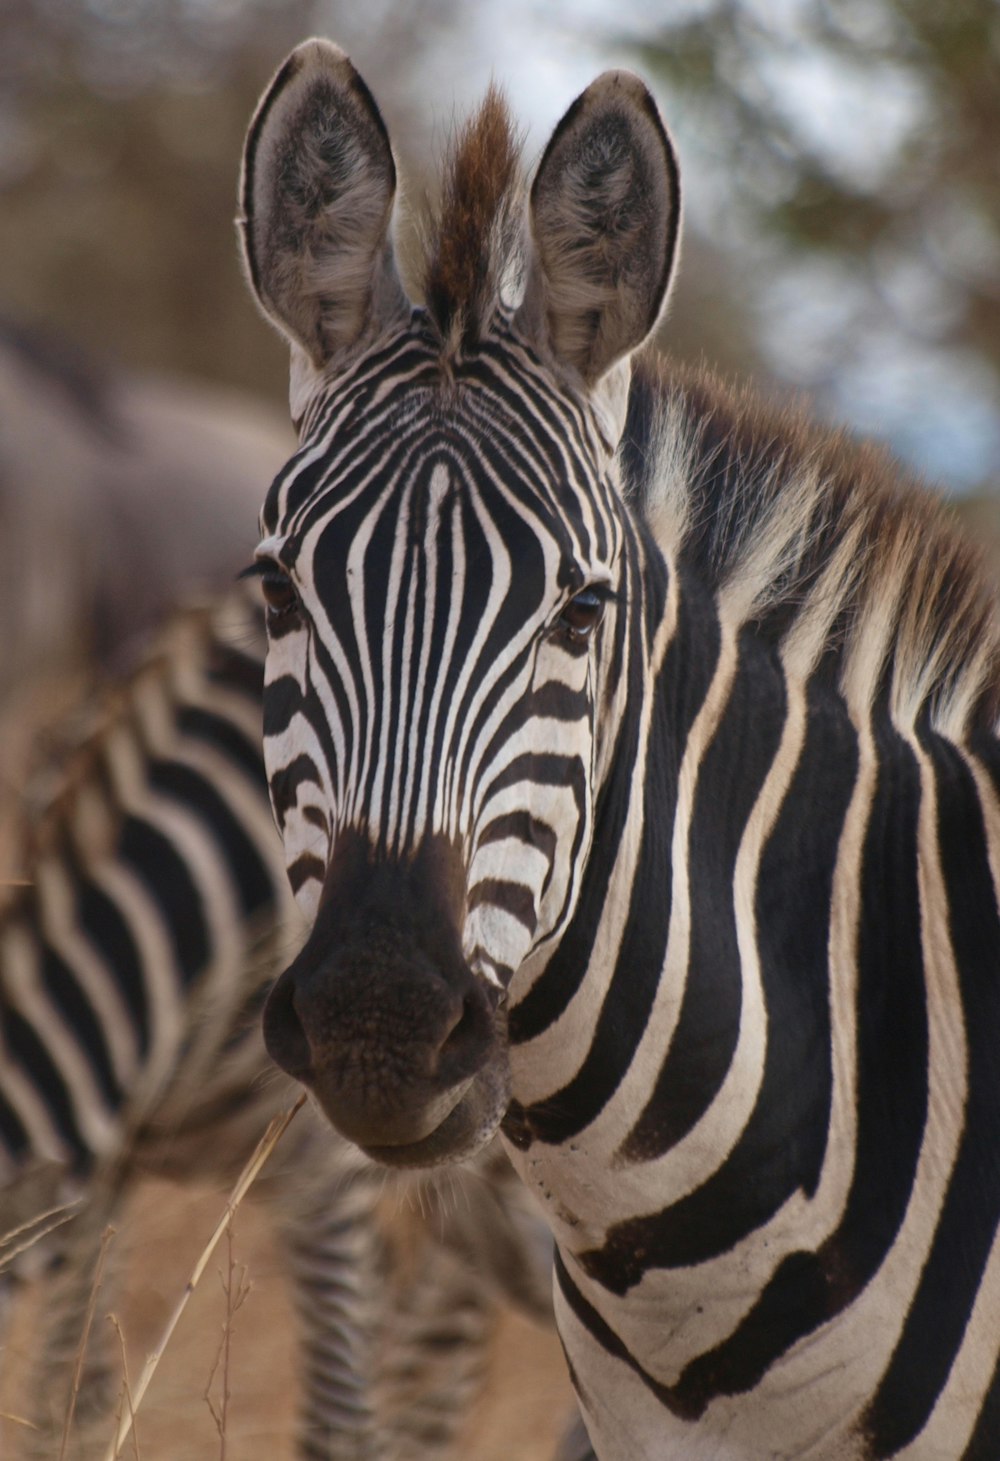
x=634 y=746
x=120 y=494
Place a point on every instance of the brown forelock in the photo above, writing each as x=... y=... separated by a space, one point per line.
x=477 y=222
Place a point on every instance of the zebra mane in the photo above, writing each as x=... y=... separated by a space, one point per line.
x=476 y=232
x=824 y=543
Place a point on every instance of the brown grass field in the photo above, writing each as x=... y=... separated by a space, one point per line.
x=519 y=1416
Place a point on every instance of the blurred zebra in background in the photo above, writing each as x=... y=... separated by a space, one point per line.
x=150 y=910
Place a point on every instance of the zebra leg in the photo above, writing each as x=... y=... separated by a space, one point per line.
x=489 y=1219
x=480 y=1245
x=436 y=1352
x=335 y=1263
x=75 y=1372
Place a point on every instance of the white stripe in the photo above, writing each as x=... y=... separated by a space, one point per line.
x=548 y=1062
x=26 y=993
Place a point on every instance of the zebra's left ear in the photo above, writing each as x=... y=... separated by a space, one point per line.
x=317 y=193
x=605 y=214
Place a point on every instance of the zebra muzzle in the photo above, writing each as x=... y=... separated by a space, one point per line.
x=379 y=1015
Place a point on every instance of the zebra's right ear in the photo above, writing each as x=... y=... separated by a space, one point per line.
x=317 y=192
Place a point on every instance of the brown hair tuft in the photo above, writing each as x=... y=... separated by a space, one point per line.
x=476 y=230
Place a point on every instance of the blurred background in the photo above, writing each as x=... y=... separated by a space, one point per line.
x=841 y=172
x=840 y=162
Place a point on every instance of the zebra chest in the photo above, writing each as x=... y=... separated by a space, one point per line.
x=697 y=1358
x=645 y=1370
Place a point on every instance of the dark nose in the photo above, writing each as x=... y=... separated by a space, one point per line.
x=379 y=1015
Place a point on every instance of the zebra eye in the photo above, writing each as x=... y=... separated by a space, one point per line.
x=582 y=614
x=279 y=594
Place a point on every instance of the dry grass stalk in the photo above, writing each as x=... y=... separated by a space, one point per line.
x=125 y=1398
x=36 y=1228
x=81 y=1350
x=236 y=1288
x=246 y=1179
x=29 y=1425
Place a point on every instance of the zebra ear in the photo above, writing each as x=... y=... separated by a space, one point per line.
x=317 y=192
x=605 y=214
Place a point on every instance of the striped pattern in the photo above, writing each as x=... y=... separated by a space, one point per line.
x=473 y=574
x=785 y=1203
x=154 y=886
x=730 y=854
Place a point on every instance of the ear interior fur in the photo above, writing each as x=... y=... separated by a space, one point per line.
x=317 y=192
x=605 y=214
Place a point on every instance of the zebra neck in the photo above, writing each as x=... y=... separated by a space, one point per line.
x=768 y=942
x=693 y=983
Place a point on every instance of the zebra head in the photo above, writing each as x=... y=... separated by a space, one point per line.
x=446 y=565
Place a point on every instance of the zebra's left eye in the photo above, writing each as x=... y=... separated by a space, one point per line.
x=582 y=614
x=279 y=594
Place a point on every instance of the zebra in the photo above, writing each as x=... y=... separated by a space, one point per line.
x=134 y=959
x=634 y=745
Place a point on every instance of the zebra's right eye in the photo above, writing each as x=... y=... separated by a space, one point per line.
x=280 y=595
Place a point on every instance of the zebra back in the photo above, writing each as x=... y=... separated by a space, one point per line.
x=135 y=957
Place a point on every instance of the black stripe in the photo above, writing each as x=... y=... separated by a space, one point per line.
x=520 y=826
x=235 y=669
x=513 y=898
x=731 y=775
x=69 y=998
x=157 y=864
x=606 y=1337
x=968 y=1223
x=556 y=986
x=624 y=1013
x=892 y=1026
x=12 y=1132
x=983 y=1441
x=26 y=1050
x=108 y=933
x=210 y=729
x=305 y=867
x=783 y=1145
x=285 y=783
x=243 y=864
x=282 y=700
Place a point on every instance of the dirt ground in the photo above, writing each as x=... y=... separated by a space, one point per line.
x=520 y=1415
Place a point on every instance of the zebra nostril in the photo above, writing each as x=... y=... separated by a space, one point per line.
x=462 y=1048
x=284 y=1037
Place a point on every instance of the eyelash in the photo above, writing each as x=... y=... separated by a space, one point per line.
x=581 y=616
x=280 y=597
